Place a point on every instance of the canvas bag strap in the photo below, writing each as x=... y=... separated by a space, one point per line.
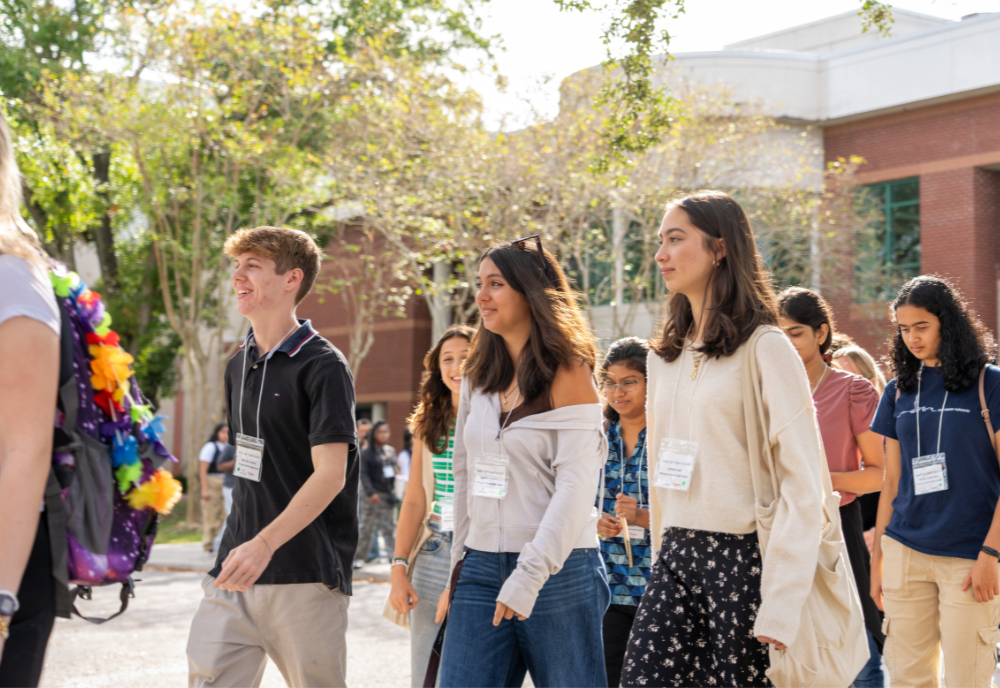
x=753 y=416
x=986 y=411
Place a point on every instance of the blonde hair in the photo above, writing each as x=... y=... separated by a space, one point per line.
x=288 y=248
x=864 y=364
x=16 y=237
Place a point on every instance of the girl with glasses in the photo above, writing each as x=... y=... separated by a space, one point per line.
x=625 y=510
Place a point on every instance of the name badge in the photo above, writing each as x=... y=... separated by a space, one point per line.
x=388 y=471
x=489 y=477
x=249 y=457
x=636 y=533
x=447 y=517
x=930 y=474
x=675 y=464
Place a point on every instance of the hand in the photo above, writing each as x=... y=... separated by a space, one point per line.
x=608 y=526
x=374 y=499
x=402 y=597
x=876 y=590
x=772 y=641
x=243 y=566
x=984 y=577
x=626 y=508
x=505 y=612
x=442 y=610
x=204 y=495
x=870 y=539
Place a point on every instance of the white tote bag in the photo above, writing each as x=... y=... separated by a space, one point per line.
x=831 y=646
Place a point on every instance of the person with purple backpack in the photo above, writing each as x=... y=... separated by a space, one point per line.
x=29 y=336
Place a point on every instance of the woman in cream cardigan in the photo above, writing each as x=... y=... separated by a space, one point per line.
x=426 y=519
x=712 y=606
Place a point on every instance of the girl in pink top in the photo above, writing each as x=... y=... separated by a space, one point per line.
x=845 y=405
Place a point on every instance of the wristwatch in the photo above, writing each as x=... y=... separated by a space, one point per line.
x=8 y=603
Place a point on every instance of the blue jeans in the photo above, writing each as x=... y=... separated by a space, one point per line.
x=431 y=569
x=871 y=675
x=560 y=644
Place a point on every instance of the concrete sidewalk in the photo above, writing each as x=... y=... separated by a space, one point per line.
x=189 y=556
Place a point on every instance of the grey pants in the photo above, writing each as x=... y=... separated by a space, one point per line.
x=376 y=518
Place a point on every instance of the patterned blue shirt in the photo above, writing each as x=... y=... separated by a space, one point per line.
x=627 y=584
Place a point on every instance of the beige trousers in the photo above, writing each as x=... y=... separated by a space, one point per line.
x=300 y=627
x=213 y=511
x=926 y=611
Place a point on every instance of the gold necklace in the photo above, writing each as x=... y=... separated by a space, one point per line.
x=507 y=395
x=696 y=357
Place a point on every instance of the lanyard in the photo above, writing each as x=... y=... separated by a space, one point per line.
x=690 y=404
x=944 y=404
x=263 y=376
x=621 y=455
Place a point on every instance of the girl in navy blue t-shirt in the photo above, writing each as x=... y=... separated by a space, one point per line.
x=934 y=565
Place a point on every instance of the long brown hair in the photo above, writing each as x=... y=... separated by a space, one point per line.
x=432 y=418
x=741 y=296
x=560 y=335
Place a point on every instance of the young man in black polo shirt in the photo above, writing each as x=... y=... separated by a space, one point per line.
x=282 y=578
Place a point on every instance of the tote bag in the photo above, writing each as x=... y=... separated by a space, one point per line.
x=831 y=646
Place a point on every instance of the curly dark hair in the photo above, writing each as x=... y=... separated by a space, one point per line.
x=966 y=345
x=631 y=351
x=432 y=418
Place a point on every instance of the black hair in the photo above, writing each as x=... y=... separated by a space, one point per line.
x=370 y=437
x=407 y=440
x=215 y=433
x=631 y=351
x=966 y=345
x=808 y=308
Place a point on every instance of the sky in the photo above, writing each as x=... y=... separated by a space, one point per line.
x=542 y=42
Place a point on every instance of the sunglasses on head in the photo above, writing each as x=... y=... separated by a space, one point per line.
x=519 y=244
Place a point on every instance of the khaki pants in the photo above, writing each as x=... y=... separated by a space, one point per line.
x=301 y=627
x=926 y=611
x=213 y=511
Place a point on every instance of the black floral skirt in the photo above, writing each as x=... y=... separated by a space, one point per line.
x=695 y=623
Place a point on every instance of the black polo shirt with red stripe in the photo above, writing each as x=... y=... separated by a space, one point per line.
x=307 y=400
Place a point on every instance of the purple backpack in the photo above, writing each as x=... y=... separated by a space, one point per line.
x=106 y=489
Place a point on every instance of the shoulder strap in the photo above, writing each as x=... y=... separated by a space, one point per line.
x=752 y=410
x=985 y=410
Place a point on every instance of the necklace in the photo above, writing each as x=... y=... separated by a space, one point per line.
x=507 y=394
x=696 y=357
x=826 y=369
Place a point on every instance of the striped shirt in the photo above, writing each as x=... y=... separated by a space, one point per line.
x=444 y=474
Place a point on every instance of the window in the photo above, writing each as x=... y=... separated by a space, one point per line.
x=889 y=253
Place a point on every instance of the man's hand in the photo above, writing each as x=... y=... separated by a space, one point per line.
x=984 y=577
x=876 y=590
x=204 y=494
x=626 y=507
x=609 y=526
x=374 y=499
x=244 y=565
x=505 y=612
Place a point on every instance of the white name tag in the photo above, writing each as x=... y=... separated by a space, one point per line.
x=675 y=464
x=636 y=533
x=447 y=517
x=388 y=471
x=489 y=477
x=930 y=474
x=249 y=457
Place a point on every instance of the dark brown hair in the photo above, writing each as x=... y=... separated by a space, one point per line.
x=432 y=418
x=631 y=351
x=808 y=308
x=560 y=335
x=741 y=297
x=288 y=248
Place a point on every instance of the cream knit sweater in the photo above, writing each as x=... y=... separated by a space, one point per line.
x=709 y=410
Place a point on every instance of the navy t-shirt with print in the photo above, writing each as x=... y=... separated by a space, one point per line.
x=953 y=522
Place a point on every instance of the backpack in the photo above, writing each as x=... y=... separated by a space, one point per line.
x=106 y=489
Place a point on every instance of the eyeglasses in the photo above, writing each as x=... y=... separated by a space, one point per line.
x=626 y=386
x=519 y=243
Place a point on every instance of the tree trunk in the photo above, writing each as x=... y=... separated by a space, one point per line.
x=103 y=233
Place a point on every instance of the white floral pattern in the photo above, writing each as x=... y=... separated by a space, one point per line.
x=694 y=626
